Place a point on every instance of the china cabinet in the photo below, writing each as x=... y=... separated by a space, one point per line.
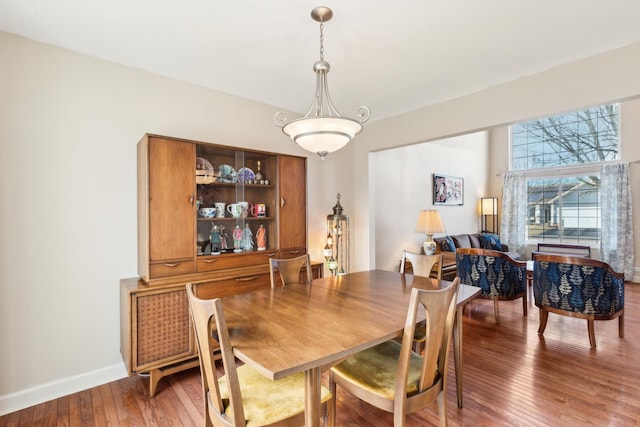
x=200 y=208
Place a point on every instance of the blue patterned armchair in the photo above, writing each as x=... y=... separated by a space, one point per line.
x=499 y=276
x=578 y=287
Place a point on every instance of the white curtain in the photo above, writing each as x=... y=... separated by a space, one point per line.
x=616 y=218
x=514 y=212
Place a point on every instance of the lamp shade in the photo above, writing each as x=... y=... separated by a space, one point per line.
x=489 y=205
x=322 y=135
x=429 y=222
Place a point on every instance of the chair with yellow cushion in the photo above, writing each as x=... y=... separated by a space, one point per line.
x=242 y=396
x=391 y=376
x=289 y=269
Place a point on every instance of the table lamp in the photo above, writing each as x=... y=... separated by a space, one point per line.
x=429 y=223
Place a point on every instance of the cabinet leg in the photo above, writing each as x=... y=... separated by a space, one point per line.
x=155 y=375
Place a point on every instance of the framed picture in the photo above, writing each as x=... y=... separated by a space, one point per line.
x=448 y=190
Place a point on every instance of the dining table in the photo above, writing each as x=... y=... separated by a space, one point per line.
x=297 y=328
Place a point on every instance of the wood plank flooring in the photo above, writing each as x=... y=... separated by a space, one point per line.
x=512 y=377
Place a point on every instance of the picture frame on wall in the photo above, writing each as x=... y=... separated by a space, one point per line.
x=448 y=190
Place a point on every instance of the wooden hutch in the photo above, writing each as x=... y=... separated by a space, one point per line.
x=156 y=334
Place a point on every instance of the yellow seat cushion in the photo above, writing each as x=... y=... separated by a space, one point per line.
x=376 y=368
x=266 y=401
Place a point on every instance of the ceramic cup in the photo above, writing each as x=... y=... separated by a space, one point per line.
x=259 y=210
x=207 y=212
x=220 y=209
x=235 y=209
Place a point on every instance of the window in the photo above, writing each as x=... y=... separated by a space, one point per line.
x=564 y=209
x=561 y=156
x=580 y=137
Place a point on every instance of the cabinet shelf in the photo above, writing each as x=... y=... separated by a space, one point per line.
x=249 y=218
x=234 y=184
x=229 y=252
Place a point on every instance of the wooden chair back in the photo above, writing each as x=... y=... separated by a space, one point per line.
x=209 y=322
x=289 y=269
x=422 y=265
x=440 y=307
x=391 y=376
x=562 y=249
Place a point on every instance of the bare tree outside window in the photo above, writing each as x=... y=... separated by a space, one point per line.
x=561 y=206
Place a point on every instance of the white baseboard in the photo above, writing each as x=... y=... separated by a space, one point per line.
x=42 y=393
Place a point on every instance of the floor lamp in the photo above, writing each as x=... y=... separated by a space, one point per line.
x=489 y=214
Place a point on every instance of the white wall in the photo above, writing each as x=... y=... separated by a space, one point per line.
x=401 y=186
x=69 y=125
x=592 y=81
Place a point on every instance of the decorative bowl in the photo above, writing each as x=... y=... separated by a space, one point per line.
x=226 y=173
x=204 y=171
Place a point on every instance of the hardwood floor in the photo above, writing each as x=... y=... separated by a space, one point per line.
x=512 y=377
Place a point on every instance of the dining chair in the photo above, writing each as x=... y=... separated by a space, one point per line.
x=391 y=376
x=289 y=269
x=578 y=287
x=422 y=265
x=498 y=276
x=242 y=396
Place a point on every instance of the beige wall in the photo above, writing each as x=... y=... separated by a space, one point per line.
x=69 y=125
x=68 y=128
x=401 y=185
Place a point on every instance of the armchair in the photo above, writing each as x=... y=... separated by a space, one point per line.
x=499 y=276
x=578 y=287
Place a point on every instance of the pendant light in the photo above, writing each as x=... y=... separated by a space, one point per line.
x=322 y=130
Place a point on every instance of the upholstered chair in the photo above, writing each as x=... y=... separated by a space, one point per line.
x=578 y=287
x=242 y=396
x=498 y=276
x=391 y=376
x=289 y=270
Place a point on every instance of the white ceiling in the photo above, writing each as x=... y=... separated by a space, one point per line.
x=392 y=56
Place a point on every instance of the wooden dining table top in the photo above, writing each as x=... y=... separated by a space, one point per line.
x=286 y=330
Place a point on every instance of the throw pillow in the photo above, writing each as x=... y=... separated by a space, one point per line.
x=448 y=245
x=491 y=241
